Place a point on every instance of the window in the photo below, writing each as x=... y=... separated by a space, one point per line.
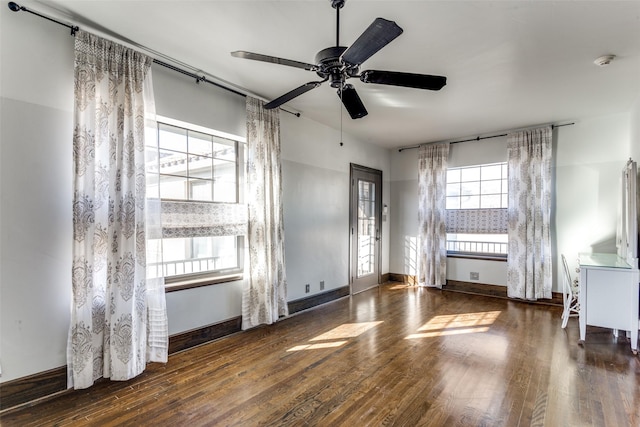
x=200 y=182
x=197 y=166
x=477 y=187
x=477 y=198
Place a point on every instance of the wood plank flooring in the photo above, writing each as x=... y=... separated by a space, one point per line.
x=397 y=355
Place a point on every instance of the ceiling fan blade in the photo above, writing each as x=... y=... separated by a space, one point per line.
x=394 y=78
x=379 y=34
x=273 y=60
x=292 y=94
x=352 y=102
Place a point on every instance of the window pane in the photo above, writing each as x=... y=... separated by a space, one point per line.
x=152 y=190
x=504 y=171
x=151 y=157
x=505 y=201
x=225 y=187
x=201 y=168
x=224 y=149
x=470 y=174
x=154 y=252
x=173 y=187
x=200 y=143
x=201 y=190
x=453 y=189
x=453 y=202
x=225 y=252
x=189 y=255
x=477 y=243
x=490 y=201
x=470 y=202
x=366 y=190
x=479 y=237
x=173 y=163
x=491 y=187
x=172 y=138
x=470 y=188
x=491 y=172
x=453 y=175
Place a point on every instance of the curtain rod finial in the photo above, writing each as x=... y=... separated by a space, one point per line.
x=14 y=6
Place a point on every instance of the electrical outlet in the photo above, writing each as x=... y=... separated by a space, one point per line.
x=474 y=275
x=322 y=285
x=307 y=288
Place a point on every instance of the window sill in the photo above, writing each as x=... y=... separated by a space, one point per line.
x=483 y=257
x=197 y=283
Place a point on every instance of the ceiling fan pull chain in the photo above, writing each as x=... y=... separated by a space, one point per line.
x=340 y=107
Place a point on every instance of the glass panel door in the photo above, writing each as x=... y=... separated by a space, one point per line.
x=365 y=226
x=366 y=230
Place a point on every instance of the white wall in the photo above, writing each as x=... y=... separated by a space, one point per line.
x=36 y=101
x=588 y=159
x=635 y=131
x=316 y=202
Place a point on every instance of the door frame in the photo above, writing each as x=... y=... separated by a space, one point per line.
x=353 y=191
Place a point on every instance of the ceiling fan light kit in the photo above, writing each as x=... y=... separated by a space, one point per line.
x=337 y=64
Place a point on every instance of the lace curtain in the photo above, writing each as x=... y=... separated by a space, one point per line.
x=118 y=316
x=529 y=262
x=264 y=298
x=491 y=221
x=432 y=238
x=194 y=219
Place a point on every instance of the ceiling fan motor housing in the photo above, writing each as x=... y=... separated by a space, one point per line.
x=331 y=66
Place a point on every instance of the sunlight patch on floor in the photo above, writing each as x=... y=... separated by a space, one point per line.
x=336 y=336
x=445 y=333
x=456 y=324
x=399 y=287
x=346 y=330
x=318 y=345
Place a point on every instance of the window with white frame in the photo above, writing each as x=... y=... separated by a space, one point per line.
x=200 y=183
x=477 y=199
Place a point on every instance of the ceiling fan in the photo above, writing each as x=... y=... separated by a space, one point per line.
x=338 y=63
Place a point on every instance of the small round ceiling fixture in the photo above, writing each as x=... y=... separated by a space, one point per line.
x=604 y=60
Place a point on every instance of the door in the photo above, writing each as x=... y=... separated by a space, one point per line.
x=365 y=225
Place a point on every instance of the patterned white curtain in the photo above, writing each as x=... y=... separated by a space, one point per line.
x=432 y=238
x=264 y=298
x=529 y=260
x=118 y=316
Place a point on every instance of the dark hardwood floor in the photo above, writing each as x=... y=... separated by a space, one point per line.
x=397 y=355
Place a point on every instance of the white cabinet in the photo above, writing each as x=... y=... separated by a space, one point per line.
x=609 y=295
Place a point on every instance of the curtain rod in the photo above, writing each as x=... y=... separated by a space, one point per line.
x=478 y=138
x=74 y=29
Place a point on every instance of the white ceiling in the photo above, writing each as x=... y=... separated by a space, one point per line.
x=509 y=64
